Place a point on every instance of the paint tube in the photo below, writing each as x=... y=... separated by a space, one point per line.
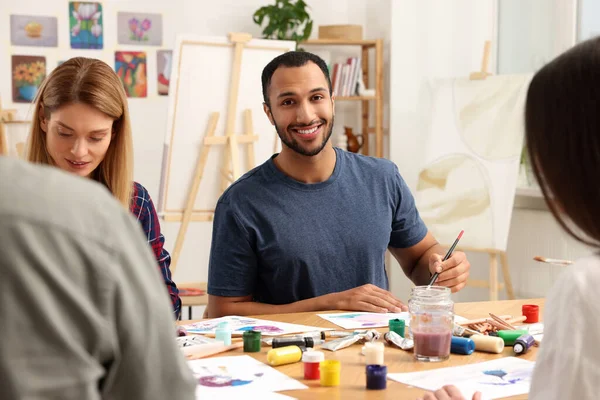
x=343 y=342
x=396 y=340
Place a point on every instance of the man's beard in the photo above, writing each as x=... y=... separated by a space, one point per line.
x=291 y=142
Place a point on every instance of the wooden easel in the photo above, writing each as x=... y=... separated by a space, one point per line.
x=9 y=117
x=493 y=284
x=231 y=168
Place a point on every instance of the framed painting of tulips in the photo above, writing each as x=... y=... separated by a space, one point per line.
x=28 y=72
x=139 y=28
x=131 y=68
x=85 y=21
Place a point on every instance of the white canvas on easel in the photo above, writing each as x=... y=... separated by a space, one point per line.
x=200 y=84
x=468 y=176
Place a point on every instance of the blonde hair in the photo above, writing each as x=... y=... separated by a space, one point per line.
x=91 y=82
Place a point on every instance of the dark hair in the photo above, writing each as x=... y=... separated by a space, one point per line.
x=291 y=59
x=562 y=125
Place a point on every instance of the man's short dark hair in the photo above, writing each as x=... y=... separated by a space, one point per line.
x=291 y=59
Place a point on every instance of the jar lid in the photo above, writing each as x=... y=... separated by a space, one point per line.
x=313 y=356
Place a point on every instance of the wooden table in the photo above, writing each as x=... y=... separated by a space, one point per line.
x=352 y=385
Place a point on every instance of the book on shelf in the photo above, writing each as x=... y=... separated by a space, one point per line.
x=345 y=77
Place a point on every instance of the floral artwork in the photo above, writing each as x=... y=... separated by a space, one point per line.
x=131 y=68
x=164 y=59
x=28 y=72
x=139 y=28
x=33 y=30
x=86 y=25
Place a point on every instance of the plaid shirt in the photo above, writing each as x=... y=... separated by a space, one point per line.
x=143 y=209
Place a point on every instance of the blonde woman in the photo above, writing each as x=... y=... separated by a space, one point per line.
x=81 y=125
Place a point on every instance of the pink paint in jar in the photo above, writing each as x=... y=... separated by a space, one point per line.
x=431 y=320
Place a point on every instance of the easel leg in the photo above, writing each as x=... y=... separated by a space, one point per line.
x=506 y=273
x=191 y=199
x=493 y=277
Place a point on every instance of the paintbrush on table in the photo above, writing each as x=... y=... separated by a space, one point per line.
x=554 y=261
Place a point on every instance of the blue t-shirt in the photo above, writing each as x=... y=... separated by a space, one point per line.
x=282 y=241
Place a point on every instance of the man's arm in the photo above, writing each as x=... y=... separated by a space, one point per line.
x=420 y=261
x=363 y=298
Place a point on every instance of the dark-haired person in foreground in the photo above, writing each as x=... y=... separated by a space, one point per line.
x=308 y=229
x=84 y=315
x=562 y=128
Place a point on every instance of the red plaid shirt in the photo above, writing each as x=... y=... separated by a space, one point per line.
x=143 y=209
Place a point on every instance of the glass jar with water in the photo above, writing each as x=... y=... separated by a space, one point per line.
x=431 y=320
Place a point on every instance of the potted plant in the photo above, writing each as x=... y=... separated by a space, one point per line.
x=287 y=20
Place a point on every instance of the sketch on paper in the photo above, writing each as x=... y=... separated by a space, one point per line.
x=85 y=21
x=238 y=375
x=359 y=320
x=28 y=72
x=469 y=172
x=164 y=59
x=139 y=28
x=503 y=377
x=131 y=69
x=239 y=325
x=33 y=30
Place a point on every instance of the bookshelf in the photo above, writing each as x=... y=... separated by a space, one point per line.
x=367 y=46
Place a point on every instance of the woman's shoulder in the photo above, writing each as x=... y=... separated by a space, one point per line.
x=140 y=198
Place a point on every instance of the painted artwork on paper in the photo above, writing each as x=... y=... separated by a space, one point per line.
x=131 y=69
x=28 y=72
x=500 y=378
x=239 y=325
x=362 y=320
x=164 y=60
x=238 y=377
x=33 y=30
x=139 y=28
x=470 y=167
x=86 y=26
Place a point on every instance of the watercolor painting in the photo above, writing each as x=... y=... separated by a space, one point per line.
x=28 y=72
x=503 y=377
x=139 y=28
x=33 y=30
x=239 y=325
x=469 y=170
x=238 y=377
x=164 y=58
x=362 y=320
x=86 y=26
x=131 y=68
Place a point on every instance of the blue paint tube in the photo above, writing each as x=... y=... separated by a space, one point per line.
x=461 y=345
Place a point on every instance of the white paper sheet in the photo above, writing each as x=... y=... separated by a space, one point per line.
x=239 y=325
x=495 y=379
x=238 y=377
x=364 y=320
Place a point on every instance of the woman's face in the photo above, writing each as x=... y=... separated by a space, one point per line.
x=77 y=137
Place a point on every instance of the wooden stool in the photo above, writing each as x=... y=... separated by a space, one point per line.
x=193 y=299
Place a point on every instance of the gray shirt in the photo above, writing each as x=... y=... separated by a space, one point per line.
x=283 y=241
x=83 y=313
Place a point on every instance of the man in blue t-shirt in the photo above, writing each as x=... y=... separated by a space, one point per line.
x=308 y=229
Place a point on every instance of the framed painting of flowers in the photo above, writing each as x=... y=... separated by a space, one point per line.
x=28 y=72
x=85 y=21
x=139 y=28
x=131 y=69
